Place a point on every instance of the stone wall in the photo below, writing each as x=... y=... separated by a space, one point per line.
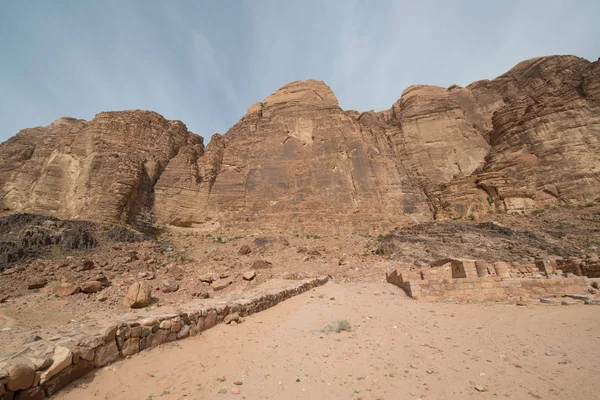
x=518 y=282
x=42 y=368
x=588 y=266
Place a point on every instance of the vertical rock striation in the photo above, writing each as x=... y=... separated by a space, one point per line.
x=297 y=162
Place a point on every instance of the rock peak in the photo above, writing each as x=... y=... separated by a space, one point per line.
x=297 y=96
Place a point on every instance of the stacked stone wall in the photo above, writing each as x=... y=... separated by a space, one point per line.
x=42 y=368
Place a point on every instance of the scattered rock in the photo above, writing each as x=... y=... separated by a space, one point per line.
x=261 y=264
x=249 y=275
x=222 y=391
x=235 y=390
x=176 y=273
x=221 y=284
x=91 y=286
x=244 y=250
x=201 y=294
x=86 y=266
x=33 y=338
x=67 y=289
x=208 y=278
x=138 y=295
x=37 y=283
x=231 y=318
x=239 y=383
x=101 y=297
x=169 y=287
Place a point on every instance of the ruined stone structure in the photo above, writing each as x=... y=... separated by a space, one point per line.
x=475 y=280
x=298 y=162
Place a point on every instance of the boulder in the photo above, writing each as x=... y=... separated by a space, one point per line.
x=169 y=287
x=138 y=295
x=20 y=376
x=67 y=289
x=91 y=286
x=37 y=283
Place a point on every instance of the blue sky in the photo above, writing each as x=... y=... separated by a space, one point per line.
x=205 y=62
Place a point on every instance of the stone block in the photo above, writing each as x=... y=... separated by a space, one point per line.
x=62 y=358
x=106 y=354
x=200 y=326
x=84 y=353
x=211 y=319
x=34 y=393
x=131 y=347
x=67 y=376
x=159 y=338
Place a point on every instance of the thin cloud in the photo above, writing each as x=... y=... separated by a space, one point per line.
x=204 y=64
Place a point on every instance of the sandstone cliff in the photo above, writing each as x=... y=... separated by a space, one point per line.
x=104 y=169
x=298 y=162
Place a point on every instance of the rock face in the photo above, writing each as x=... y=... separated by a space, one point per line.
x=544 y=137
x=298 y=162
x=104 y=169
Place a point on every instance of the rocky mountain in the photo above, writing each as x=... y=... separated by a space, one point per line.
x=298 y=162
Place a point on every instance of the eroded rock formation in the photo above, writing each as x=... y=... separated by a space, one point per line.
x=298 y=162
x=104 y=169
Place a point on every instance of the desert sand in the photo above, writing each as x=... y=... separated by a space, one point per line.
x=396 y=348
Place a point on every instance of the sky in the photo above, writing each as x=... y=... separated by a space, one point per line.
x=204 y=62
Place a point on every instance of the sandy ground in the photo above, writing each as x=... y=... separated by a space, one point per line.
x=397 y=349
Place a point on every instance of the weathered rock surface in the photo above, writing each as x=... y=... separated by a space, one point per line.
x=20 y=377
x=91 y=286
x=221 y=283
x=138 y=295
x=249 y=275
x=67 y=289
x=298 y=162
x=103 y=169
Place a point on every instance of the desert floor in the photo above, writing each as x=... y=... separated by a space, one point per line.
x=397 y=348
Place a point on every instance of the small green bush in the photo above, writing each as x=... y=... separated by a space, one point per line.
x=339 y=326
